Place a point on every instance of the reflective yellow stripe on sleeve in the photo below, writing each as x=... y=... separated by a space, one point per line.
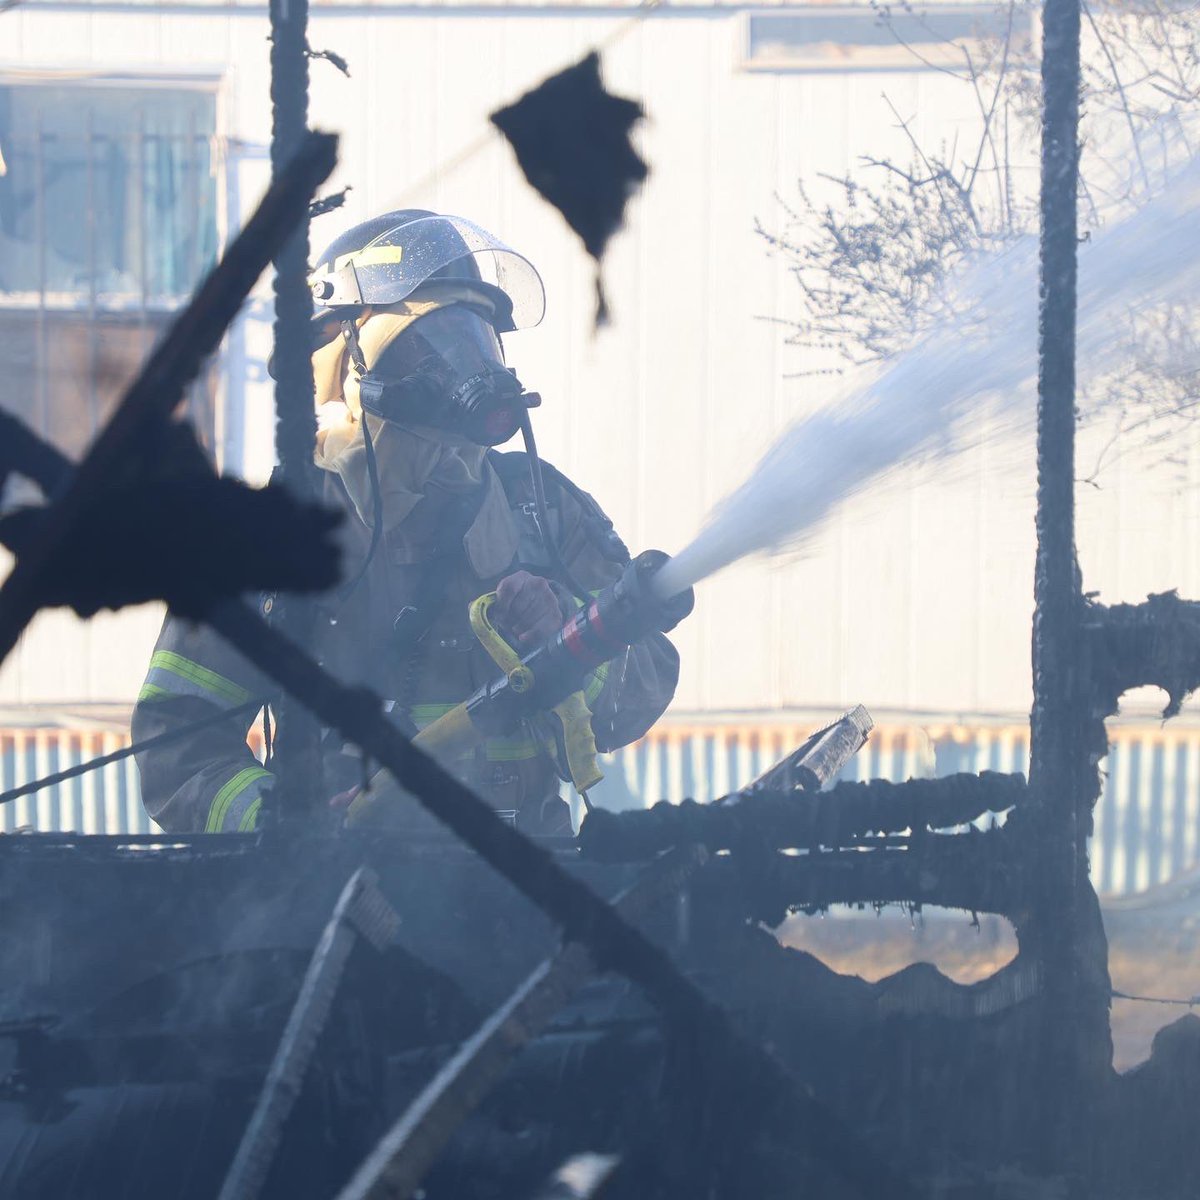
x=517 y=748
x=235 y=807
x=171 y=674
x=595 y=683
x=425 y=714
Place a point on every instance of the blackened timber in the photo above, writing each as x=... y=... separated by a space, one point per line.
x=979 y=872
x=1156 y=642
x=800 y=820
x=27 y=454
x=361 y=912
x=297 y=761
x=1057 y=592
x=175 y=362
x=1064 y=931
x=734 y=1064
x=295 y=412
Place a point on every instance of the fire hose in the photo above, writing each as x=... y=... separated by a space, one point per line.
x=549 y=677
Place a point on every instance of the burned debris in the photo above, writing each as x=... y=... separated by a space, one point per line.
x=572 y=141
x=127 y=449
x=142 y=536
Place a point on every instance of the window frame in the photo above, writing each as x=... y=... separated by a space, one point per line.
x=897 y=58
x=202 y=80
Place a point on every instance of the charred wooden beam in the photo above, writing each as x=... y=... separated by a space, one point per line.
x=295 y=413
x=1064 y=933
x=976 y=872
x=1057 y=592
x=24 y=453
x=297 y=760
x=141 y=538
x=361 y=912
x=800 y=820
x=1156 y=642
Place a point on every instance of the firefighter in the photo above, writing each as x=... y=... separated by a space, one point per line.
x=413 y=398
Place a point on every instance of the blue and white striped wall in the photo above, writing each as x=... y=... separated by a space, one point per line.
x=106 y=800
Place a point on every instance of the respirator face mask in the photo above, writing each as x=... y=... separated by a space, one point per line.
x=447 y=372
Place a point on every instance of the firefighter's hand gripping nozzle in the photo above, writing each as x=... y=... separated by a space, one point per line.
x=623 y=613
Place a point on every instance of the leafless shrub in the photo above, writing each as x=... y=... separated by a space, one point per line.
x=870 y=261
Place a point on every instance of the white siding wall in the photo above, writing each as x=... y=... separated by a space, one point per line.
x=917 y=598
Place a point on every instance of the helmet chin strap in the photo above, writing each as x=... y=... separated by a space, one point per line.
x=350 y=333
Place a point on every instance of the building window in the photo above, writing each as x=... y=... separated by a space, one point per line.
x=108 y=218
x=861 y=38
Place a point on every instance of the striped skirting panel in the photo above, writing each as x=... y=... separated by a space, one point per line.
x=106 y=800
x=1147 y=821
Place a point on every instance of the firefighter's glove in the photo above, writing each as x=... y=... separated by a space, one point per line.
x=526 y=608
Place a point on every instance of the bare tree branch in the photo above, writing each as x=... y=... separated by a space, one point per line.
x=869 y=263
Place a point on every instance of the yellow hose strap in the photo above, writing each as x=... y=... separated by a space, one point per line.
x=235 y=807
x=171 y=674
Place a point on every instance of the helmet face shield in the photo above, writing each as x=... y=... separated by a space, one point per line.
x=447 y=371
x=390 y=267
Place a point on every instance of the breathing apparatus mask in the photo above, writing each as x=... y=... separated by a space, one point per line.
x=447 y=372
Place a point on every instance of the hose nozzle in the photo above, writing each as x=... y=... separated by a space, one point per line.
x=632 y=605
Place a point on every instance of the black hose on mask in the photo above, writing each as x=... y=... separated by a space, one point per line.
x=350 y=333
x=541 y=512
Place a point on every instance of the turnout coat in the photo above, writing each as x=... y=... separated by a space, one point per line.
x=402 y=629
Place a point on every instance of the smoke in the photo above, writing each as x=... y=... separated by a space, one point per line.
x=919 y=404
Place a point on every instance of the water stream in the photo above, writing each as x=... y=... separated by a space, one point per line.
x=920 y=403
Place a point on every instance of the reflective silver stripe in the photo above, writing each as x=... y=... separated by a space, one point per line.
x=171 y=674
